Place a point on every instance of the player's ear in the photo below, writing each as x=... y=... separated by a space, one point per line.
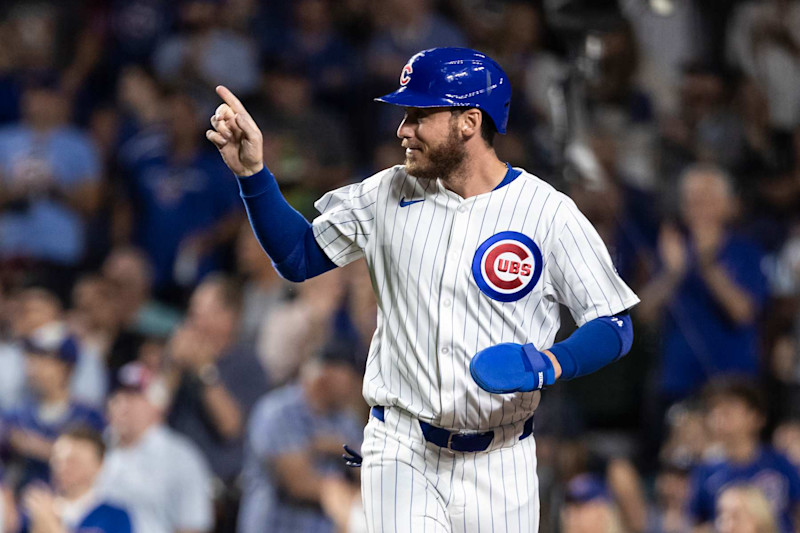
x=471 y=122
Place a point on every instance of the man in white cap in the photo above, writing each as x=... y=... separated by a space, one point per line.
x=160 y=476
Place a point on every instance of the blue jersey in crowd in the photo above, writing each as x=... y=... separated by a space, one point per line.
x=177 y=200
x=103 y=518
x=29 y=417
x=769 y=471
x=700 y=340
x=44 y=227
x=281 y=423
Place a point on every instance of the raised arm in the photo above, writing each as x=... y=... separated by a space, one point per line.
x=284 y=234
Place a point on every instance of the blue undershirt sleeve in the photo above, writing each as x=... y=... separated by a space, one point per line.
x=284 y=234
x=594 y=345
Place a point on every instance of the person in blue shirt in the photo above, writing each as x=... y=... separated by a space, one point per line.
x=49 y=181
x=736 y=414
x=73 y=504
x=35 y=423
x=710 y=291
x=184 y=204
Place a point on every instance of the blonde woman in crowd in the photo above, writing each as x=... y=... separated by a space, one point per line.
x=744 y=509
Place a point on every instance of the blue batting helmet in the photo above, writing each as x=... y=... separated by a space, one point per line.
x=446 y=77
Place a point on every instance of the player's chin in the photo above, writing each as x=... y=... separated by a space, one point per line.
x=415 y=167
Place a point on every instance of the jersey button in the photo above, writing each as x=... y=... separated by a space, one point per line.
x=447 y=302
x=462 y=209
x=445 y=350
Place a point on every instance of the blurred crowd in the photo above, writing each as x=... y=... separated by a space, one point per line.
x=156 y=374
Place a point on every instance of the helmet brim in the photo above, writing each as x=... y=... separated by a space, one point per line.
x=406 y=98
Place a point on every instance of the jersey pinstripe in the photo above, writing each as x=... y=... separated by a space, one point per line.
x=420 y=241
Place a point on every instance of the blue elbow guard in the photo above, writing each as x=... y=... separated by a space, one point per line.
x=594 y=345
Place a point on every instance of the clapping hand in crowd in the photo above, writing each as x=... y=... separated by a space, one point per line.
x=40 y=503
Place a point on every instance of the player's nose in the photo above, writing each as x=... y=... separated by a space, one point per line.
x=404 y=130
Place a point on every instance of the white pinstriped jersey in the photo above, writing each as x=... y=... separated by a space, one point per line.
x=453 y=276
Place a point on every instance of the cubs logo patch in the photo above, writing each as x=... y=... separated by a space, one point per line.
x=507 y=266
x=405 y=75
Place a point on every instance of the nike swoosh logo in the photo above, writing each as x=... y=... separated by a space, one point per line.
x=404 y=203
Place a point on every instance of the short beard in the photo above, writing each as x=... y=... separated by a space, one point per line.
x=441 y=161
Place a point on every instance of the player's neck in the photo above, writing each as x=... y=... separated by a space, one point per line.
x=478 y=174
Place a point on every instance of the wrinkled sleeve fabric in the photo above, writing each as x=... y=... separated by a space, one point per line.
x=347 y=219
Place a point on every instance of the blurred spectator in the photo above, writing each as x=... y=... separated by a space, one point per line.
x=709 y=293
x=94 y=319
x=74 y=504
x=139 y=99
x=49 y=172
x=34 y=424
x=333 y=67
x=38 y=314
x=9 y=517
x=736 y=415
x=294 y=443
x=130 y=273
x=301 y=326
x=12 y=360
x=184 y=199
x=617 y=106
x=543 y=70
x=135 y=29
x=764 y=42
x=205 y=54
x=668 y=515
x=706 y=127
x=158 y=475
x=403 y=28
x=744 y=509
x=784 y=277
x=589 y=508
x=669 y=36
x=216 y=382
x=307 y=146
x=786 y=439
x=687 y=438
x=263 y=288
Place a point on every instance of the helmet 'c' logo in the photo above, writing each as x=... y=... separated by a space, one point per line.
x=507 y=266
x=405 y=75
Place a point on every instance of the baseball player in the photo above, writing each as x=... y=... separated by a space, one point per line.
x=469 y=259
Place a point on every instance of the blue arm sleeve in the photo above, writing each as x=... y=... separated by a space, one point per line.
x=283 y=233
x=594 y=345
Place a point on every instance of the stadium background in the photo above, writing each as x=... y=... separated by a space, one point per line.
x=114 y=207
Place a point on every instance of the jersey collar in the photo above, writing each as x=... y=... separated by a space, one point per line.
x=511 y=175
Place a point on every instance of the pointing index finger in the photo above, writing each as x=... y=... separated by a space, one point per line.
x=229 y=98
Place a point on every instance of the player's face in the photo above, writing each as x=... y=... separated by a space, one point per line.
x=434 y=147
